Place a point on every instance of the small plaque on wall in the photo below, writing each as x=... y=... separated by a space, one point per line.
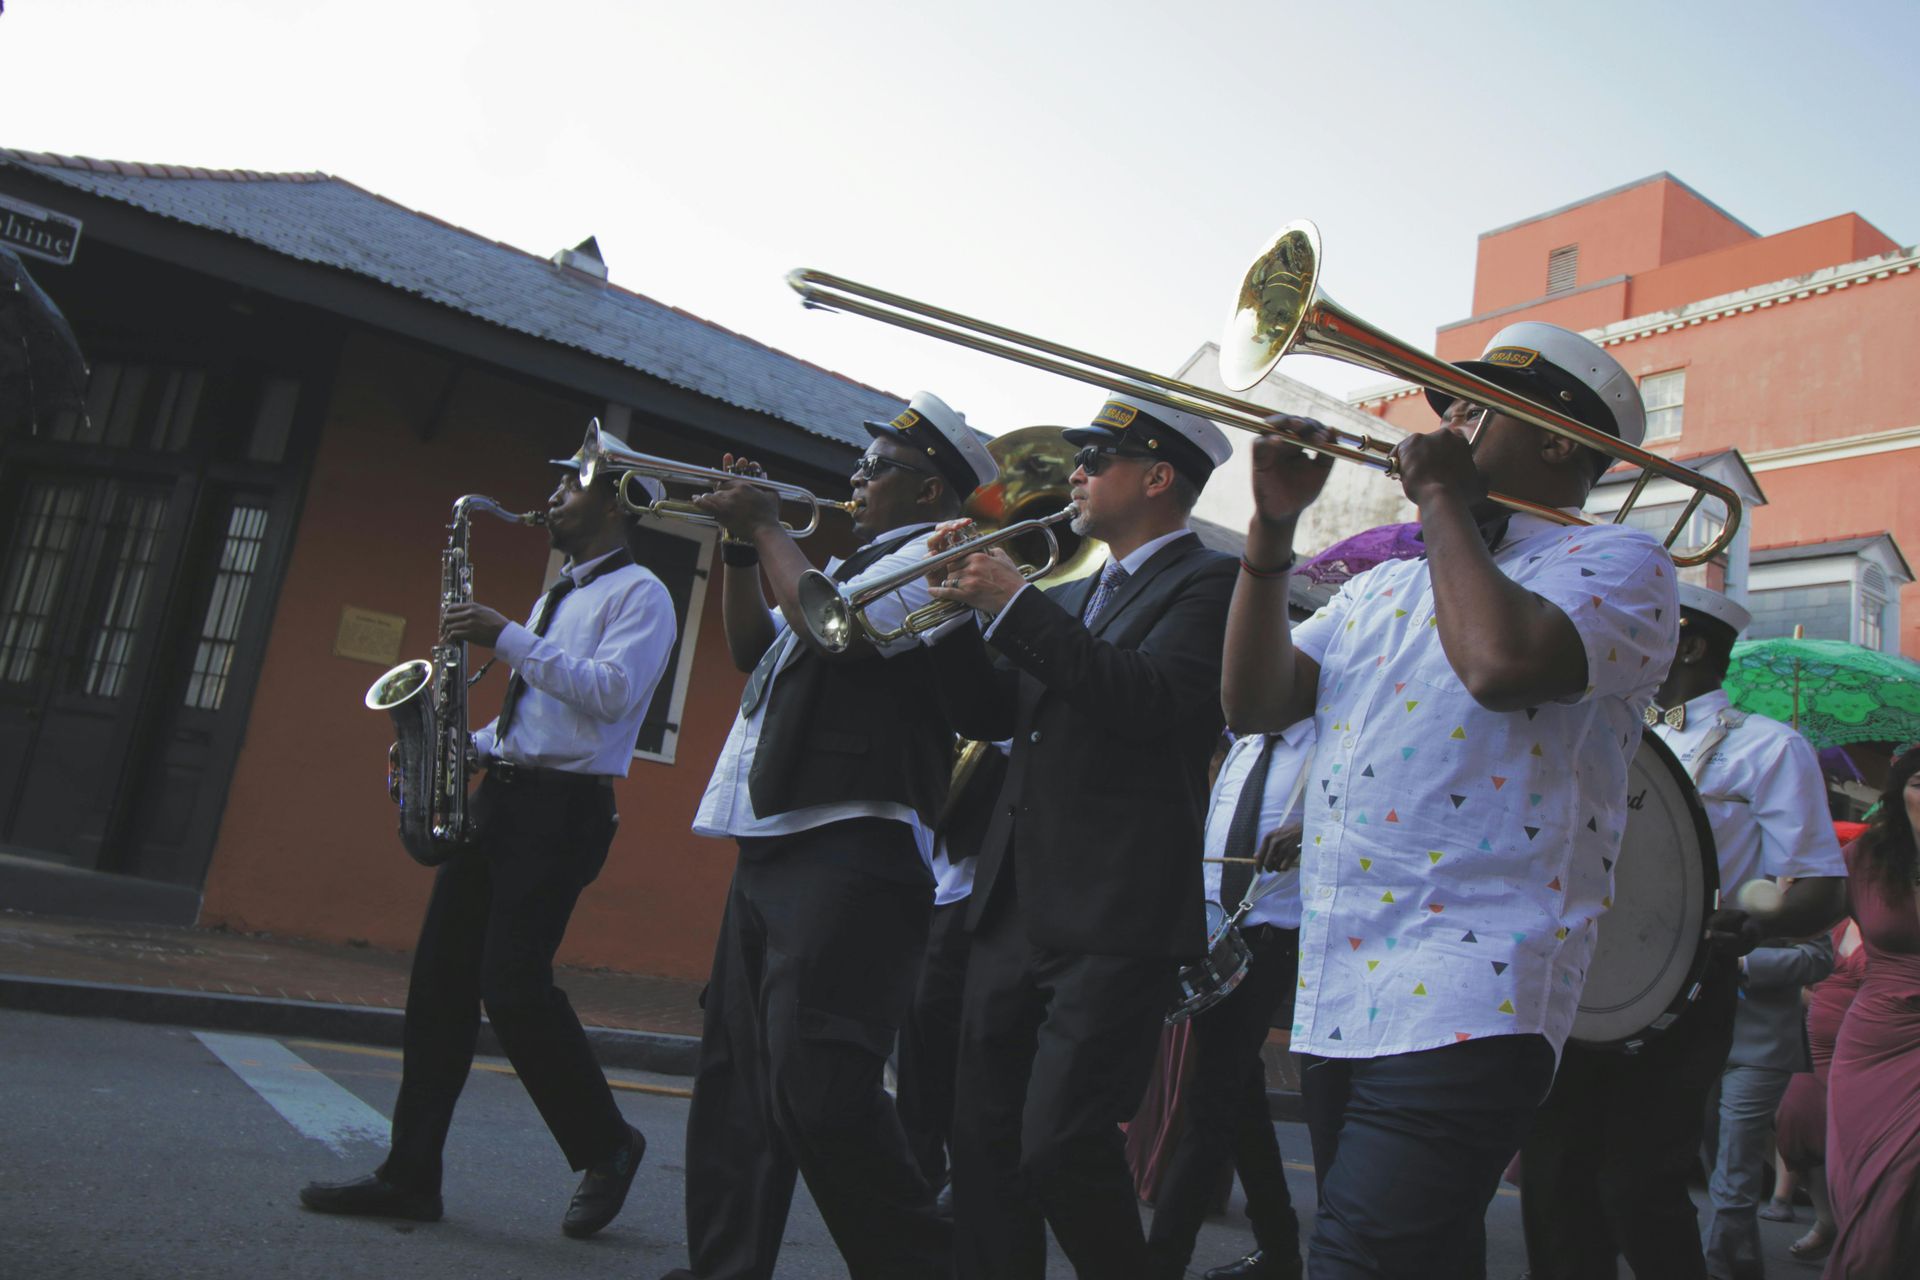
x=366 y=636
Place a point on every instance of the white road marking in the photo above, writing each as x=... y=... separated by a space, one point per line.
x=310 y=1102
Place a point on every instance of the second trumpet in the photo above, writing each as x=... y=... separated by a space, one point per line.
x=598 y=457
x=831 y=614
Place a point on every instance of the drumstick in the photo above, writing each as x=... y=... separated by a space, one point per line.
x=1245 y=862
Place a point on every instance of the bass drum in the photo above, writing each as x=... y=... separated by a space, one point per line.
x=1652 y=953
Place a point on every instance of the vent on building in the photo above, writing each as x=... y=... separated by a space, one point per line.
x=584 y=258
x=1874 y=579
x=1563 y=264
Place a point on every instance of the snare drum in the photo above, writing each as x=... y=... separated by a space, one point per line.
x=1212 y=978
x=1652 y=954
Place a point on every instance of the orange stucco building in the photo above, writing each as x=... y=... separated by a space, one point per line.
x=1794 y=349
x=292 y=379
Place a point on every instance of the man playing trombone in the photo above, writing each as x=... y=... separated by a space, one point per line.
x=1476 y=710
x=1086 y=897
x=829 y=781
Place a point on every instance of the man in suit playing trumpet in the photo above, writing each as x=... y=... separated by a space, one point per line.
x=1085 y=899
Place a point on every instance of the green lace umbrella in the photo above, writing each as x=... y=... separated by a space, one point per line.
x=1835 y=693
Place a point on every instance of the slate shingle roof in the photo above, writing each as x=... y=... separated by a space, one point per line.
x=324 y=220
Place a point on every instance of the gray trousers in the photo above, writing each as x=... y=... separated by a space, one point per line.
x=1743 y=1151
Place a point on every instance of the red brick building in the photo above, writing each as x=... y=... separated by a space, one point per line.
x=1795 y=349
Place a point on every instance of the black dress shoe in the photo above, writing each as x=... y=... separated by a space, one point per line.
x=372 y=1197
x=604 y=1188
x=1259 y=1265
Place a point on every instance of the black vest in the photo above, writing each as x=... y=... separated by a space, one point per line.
x=867 y=729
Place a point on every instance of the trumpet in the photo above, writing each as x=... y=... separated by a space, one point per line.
x=597 y=458
x=1280 y=310
x=831 y=614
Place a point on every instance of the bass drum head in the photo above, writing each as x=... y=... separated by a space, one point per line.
x=1650 y=955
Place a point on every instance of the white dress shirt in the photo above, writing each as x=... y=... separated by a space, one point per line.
x=1277 y=892
x=1457 y=858
x=953 y=881
x=726 y=809
x=1765 y=796
x=591 y=677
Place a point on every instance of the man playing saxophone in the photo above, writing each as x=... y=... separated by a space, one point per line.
x=584 y=670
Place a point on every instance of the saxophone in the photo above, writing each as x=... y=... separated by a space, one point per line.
x=428 y=764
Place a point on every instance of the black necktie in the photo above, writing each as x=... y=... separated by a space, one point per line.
x=549 y=606
x=1243 y=832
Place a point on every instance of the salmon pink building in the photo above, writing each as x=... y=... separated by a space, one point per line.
x=1784 y=363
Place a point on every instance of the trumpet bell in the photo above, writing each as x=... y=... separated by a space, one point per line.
x=1275 y=299
x=828 y=616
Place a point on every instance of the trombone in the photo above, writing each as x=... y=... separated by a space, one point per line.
x=1280 y=310
x=597 y=456
x=831 y=614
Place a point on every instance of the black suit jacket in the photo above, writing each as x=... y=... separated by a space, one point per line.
x=1105 y=797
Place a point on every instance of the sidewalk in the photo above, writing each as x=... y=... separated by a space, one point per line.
x=287 y=986
x=282 y=986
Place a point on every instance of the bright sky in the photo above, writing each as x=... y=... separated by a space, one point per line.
x=1099 y=174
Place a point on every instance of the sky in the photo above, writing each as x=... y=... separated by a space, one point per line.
x=1098 y=174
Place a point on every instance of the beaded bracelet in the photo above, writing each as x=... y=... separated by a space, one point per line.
x=1278 y=571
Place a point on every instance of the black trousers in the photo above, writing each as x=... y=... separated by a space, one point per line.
x=1227 y=1117
x=1408 y=1150
x=495 y=919
x=930 y=1042
x=1604 y=1173
x=812 y=975
x=1055 y=1052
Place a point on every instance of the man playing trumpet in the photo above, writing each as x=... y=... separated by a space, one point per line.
x=829 y=782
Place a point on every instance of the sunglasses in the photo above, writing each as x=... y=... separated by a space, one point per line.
x=870 y=464
x=1093 y=458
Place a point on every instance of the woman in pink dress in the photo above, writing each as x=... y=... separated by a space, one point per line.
x=1800 y=1126
x=1873 y=1084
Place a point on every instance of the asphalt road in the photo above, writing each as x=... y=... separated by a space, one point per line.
x=137 y=1151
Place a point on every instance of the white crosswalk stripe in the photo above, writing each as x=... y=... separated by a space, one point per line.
x=309 y=1101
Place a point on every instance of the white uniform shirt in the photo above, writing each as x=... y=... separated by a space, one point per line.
x=727 y=807
x=1456 y=858
x=591 y=678
x=1278 y=900
x=1765 y=796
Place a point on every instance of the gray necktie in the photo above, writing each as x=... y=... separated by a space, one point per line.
x=1110 y=579
x=763 y=671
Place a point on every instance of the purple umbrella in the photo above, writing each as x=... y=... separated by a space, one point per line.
x=1355 y=555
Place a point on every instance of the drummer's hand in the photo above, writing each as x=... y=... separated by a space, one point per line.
x=1280 y=849
x=1732 y=932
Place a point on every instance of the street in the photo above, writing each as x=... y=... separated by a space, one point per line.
x=150 y=1151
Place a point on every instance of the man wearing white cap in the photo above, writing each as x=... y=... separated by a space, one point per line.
x=1086 y=898
x=584 y=670
x=1605 y=1170
x=1476 y=710
x=829 y=782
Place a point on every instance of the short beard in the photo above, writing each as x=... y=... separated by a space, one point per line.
x=1082 y=524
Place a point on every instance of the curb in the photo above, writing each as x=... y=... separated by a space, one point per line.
x=266 y=1015
x=654 y=1051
